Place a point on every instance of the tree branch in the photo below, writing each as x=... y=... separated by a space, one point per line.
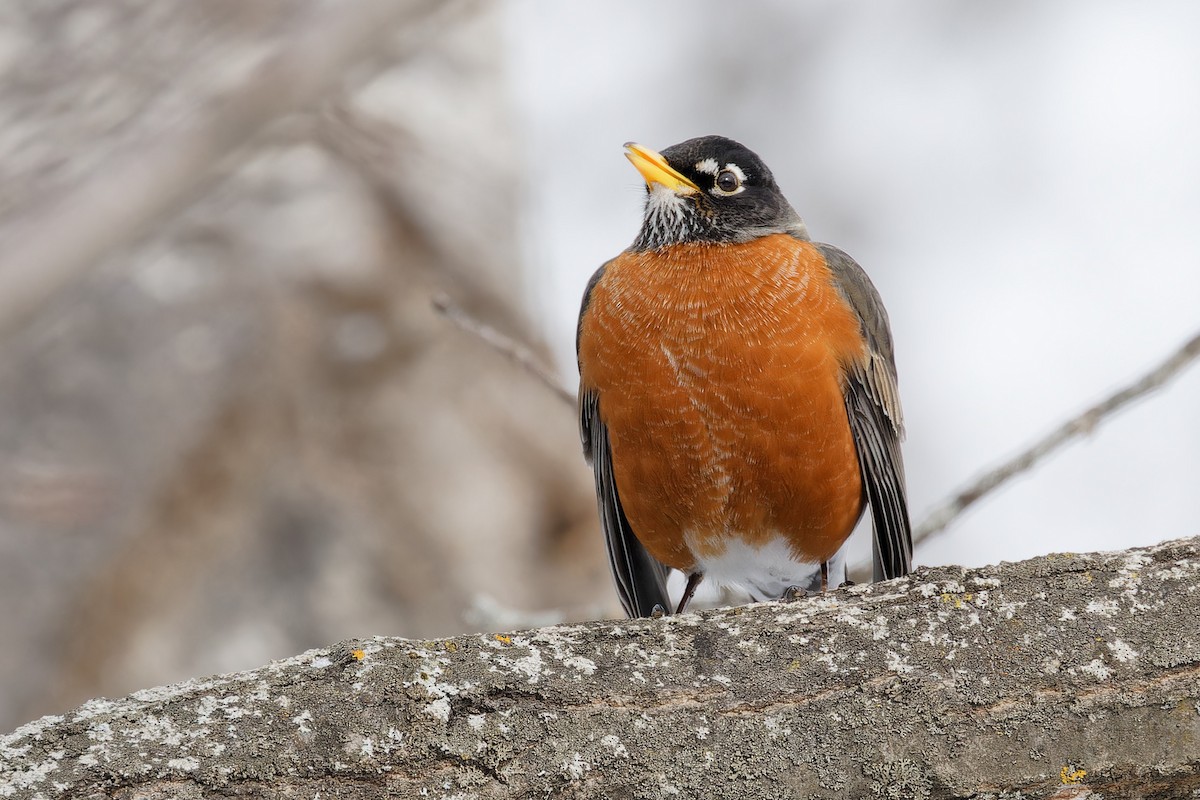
x=941 y=517
x=1065 y=674
x=508 y=347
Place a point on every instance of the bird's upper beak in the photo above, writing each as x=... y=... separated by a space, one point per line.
x=655 y=169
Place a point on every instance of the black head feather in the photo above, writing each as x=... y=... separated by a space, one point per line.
x=738 y=198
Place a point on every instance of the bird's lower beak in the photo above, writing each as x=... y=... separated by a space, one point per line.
x=655 y=169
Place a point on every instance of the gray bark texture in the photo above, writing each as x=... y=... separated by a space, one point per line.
x=1063 y=676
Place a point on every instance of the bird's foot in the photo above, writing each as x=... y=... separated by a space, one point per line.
x=847 y=583
x=792 y=594
x=658 y=612
x=693 y=582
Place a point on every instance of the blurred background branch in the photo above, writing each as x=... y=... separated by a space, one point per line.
x=161 y=164
x=1082 y=424
x=520 y=354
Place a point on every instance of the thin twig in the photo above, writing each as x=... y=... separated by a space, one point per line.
x=941 y=517
x=519 y=353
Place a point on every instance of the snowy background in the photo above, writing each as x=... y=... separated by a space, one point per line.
x=1021 y=181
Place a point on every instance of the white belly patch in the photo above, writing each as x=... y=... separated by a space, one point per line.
x=766 y=572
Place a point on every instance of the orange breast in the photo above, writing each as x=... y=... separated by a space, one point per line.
x=719 y=373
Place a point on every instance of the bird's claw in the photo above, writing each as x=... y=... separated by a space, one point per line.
x=793 y=593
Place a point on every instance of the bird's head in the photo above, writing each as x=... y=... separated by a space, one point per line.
x=709 y=189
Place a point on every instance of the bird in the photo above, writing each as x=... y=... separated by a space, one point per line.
x=738 y=398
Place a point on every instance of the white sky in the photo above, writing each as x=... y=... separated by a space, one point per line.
x=1021 y=180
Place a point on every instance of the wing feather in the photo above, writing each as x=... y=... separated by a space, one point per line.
x=876 y=419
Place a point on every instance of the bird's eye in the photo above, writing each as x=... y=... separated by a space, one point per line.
x=728 y=181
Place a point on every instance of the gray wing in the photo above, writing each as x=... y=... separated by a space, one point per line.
x=876 y=421
x=641 y=580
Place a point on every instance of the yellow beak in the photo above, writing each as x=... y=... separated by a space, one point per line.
x=655 y=169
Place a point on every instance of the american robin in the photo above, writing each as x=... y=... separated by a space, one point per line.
x=737 y=394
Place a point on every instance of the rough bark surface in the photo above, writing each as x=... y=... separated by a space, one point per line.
x=1063 y=676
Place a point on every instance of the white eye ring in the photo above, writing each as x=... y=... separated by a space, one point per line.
x=729 y=181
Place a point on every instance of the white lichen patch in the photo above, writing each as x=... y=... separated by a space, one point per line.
x=729 y=626
x=580 y=664
x=1097 y=669
x=1106 y=607
x=1129 y=577
x=301 y=721
x=936 y=634
x=1122 y=652
x=877 y=626
x=439 y=709
x=320 y=662
x=751 y=646
x=530 y=666
x=775 y=727
x=666 y=788
x=563 y=643
x=394 y=740
x=928 y=590
x=30 y=730
x=100 y=732
x=31 y=776
x=828 y=659
x=359 y=747
x=575 y=767
x=1135 y=560
x=229 y=706
x=802 y=616
x=1009 y=608
x=1181 y=570
x=898 y=663
x=160 y=730
x=93 y=708
x=990 y=583
x=205 y=708
x=614 y=745
x=668 y=647
x=724 y=680
x=1066 y=615
x=184 y=764
x=431 y=668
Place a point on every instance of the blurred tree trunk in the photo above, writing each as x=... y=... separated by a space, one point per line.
x=231 y=426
